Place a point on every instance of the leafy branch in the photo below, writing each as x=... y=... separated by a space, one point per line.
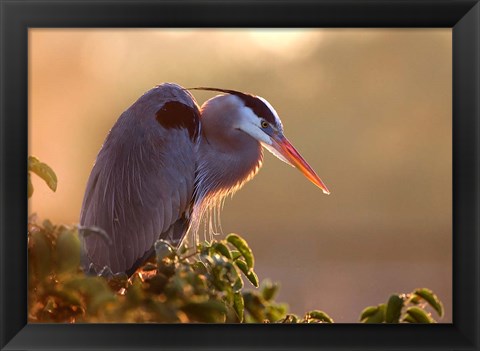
x=206 y=283
x=43 y=171
x=405 y=308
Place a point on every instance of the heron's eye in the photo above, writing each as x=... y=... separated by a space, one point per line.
x=264 y=124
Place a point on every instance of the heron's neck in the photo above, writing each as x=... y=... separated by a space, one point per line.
x=226 y=157
x=226 y=166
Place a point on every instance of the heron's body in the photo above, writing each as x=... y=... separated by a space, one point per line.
x=163 y=164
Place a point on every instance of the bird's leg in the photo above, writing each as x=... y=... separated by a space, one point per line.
x=106 y=272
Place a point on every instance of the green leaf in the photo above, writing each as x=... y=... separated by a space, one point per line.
x=394 y=309
x=43 y=171
x=269 y=290
x=232 y=273
x=368 y=311
x=222 y=249
x=41 y=254
x=212 y=311
x=238 y=285
x=68 y=252
x=242 y=265
x=200 y=267
x=419 y=315
x=29 y=186
x=239 y=305
x=183 y=249
x=414 y=299
x=275 y=312
x=235 y=254
x=68 y=296
x=431 y=299
x=88 y=286
x=290 y=318
x=251 y=275
x=408 y=319
x=255 y=306
x=253 y=278
x=219 y=260
x=98 y=301
x=243 y=247
x=320 y=316
x=162 y=250
x=95 y=290
x=373 y=314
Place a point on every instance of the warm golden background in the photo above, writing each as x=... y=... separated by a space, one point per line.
x=369 y=109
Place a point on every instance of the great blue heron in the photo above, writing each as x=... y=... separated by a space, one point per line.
x=165 y=163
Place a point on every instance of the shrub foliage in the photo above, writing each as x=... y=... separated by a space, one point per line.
x=214 y=282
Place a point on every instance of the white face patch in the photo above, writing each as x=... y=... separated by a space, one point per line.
x=275 y=114
x=250 y=123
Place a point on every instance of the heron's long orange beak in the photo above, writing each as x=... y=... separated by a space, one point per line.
x=287 y=150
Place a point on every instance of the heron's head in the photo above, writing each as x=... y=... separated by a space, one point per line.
x=258 y=118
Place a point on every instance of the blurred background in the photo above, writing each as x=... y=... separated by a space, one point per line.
x=369 y=109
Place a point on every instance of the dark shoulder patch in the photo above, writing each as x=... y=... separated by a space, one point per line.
x=174 y=114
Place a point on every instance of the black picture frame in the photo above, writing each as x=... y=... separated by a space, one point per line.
x=463 y=16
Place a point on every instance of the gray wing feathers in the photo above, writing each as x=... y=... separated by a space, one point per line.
x=142 y=181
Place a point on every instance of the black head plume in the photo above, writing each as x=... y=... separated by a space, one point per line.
x=256 y=104
x=220 y=90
